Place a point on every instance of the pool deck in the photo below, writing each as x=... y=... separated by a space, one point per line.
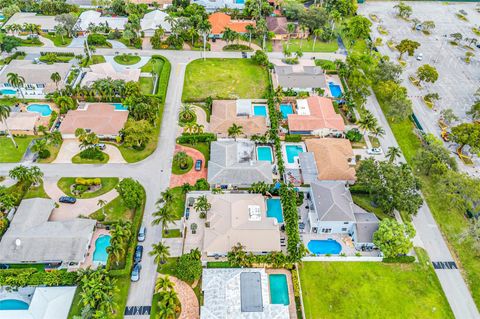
x=89 y=258
x=291 y=296
x=335 y=79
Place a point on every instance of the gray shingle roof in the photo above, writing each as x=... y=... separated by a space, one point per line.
x=290 y=76
x=332 y=201
x=366 y=226
x=42 y=240
x=234 y=162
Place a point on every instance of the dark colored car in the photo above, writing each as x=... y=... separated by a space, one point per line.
x=101 y=146
x=198 y=165
x=244 y=55
x=135 y=276
x=67 y=200
x=138 y=254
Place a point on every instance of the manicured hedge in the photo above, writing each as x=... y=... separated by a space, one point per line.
x=293 y=138
x=34 y=277
x=187 y=138
x=400 y=259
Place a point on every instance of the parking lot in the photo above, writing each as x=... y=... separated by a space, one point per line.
x=458 y=81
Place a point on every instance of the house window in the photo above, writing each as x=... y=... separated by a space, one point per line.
x=345 y=223
x=40 y=86
x=326 y=230
x=344 y=229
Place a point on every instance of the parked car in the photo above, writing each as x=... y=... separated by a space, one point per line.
x=67 y=200
x=101 y=146
x=138 y=254
x=374 y=151
x=198 y=165
x=420 y=57
x=142 y=233
x=135 y=276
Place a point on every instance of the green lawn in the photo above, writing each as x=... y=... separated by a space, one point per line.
x=146 y=85
x=365 y=202
x=177 y=170
x=224 y=79
x=108 y=183
x=114 y=211
x=126 y=59
x=57 y=40
x=36 y=192
x=371 y=290
x=204 y=148
x=96 y=59
x=154 y=64
x=78 y=160
x=307 y=45
x=172 y=233
x=178 y=202
x=8 y=152
x=53 y=153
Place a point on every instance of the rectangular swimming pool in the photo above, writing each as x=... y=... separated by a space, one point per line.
x=292 y=152
x=286 y=109
x=274 y=209
x=278 y=289
x=120 y=107
x=260 y=110
x=264 y=153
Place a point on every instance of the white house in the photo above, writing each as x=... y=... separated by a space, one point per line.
x=214 y=5
x=95 y=18
x=46 y=23
x=152 y=21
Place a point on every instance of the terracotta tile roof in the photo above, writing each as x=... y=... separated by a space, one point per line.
x=220 y=21
x=322 y=116
x=224 y=114
x=332 y=156
x=277 y=25
x=101 y=118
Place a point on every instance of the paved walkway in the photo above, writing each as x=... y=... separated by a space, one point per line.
x=117 y=44
x=71 y=147
x=192 y=176
x=46 y=42
x=82 y=207
x=188 y=299
x=120 y=67
x=77 y=42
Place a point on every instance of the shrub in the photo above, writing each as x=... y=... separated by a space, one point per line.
x=53 y=118
x=131 y=192
x=400 y=259
x=88 y=181
x=92 y=153
x=34 y=277
x=3 y=225
x=97 y=39
x=44 y=154
x=188 y=138
x=296 y=284
x=202 y=185
x=293 y=138
x=237 y=47
x=189 y=268
x=354 y=135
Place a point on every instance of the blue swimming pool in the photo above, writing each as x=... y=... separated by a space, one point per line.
x=8 y=91
x=13 y=304
x=264 y=153
x=286 y=109
x=274 y=209
x=120 y=107
x=322 y=247
x=335 y=89
x=278 y=289
x=43 y=109
x=239 y=1
x=100 y=254
x=292 y=152
x=2 y=17
x=260 y=110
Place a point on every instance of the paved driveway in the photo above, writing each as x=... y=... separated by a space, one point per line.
x=82 y=207
x=70 y=148
x=192 y=176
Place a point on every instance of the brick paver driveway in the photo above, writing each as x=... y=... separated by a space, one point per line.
x=192 y=176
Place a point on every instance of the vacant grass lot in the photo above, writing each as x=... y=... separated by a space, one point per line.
x=371 y=290
x=146 y=85
x=8 y=152
x=224 y=79
x=307 y=45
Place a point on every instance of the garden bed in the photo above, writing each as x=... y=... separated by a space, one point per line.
x=66 y=185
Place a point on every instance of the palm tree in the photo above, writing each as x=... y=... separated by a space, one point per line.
x=16 y=81
x=4 y=114
x=378 y=131
x=61 y=31
x=202 y=205
x=250 y=29
x=102 y=203
x=189 y=127
x=367 y=122
x=163 y=284
x=204 y=28
x=181 y=159
x=164 y=216
x=55 y=77
x=160 y=252
x=393 y=153
x=166 y=196
x=235 y=131
x=290 y=29
x=39 y=145
x=228 y=35
x=116 y=249
x=316 y=33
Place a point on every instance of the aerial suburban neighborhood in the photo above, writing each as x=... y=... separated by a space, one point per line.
x=228 y=159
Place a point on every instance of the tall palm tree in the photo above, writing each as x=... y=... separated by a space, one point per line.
x=202 y=205
x=290 y=29
x=164 y=216
x=250 y=29
x=393 y=153
x=16 y=81
x=316 y=33
x=163 y=284
x=102 y=203
x=235 y=131
x=378 y=131
x=116 y=249
x=160 y=252
x=39 y=145
x=204 y=27
x=367 y=122
x=166 y=196
x=4 y=114
x=55 y=77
